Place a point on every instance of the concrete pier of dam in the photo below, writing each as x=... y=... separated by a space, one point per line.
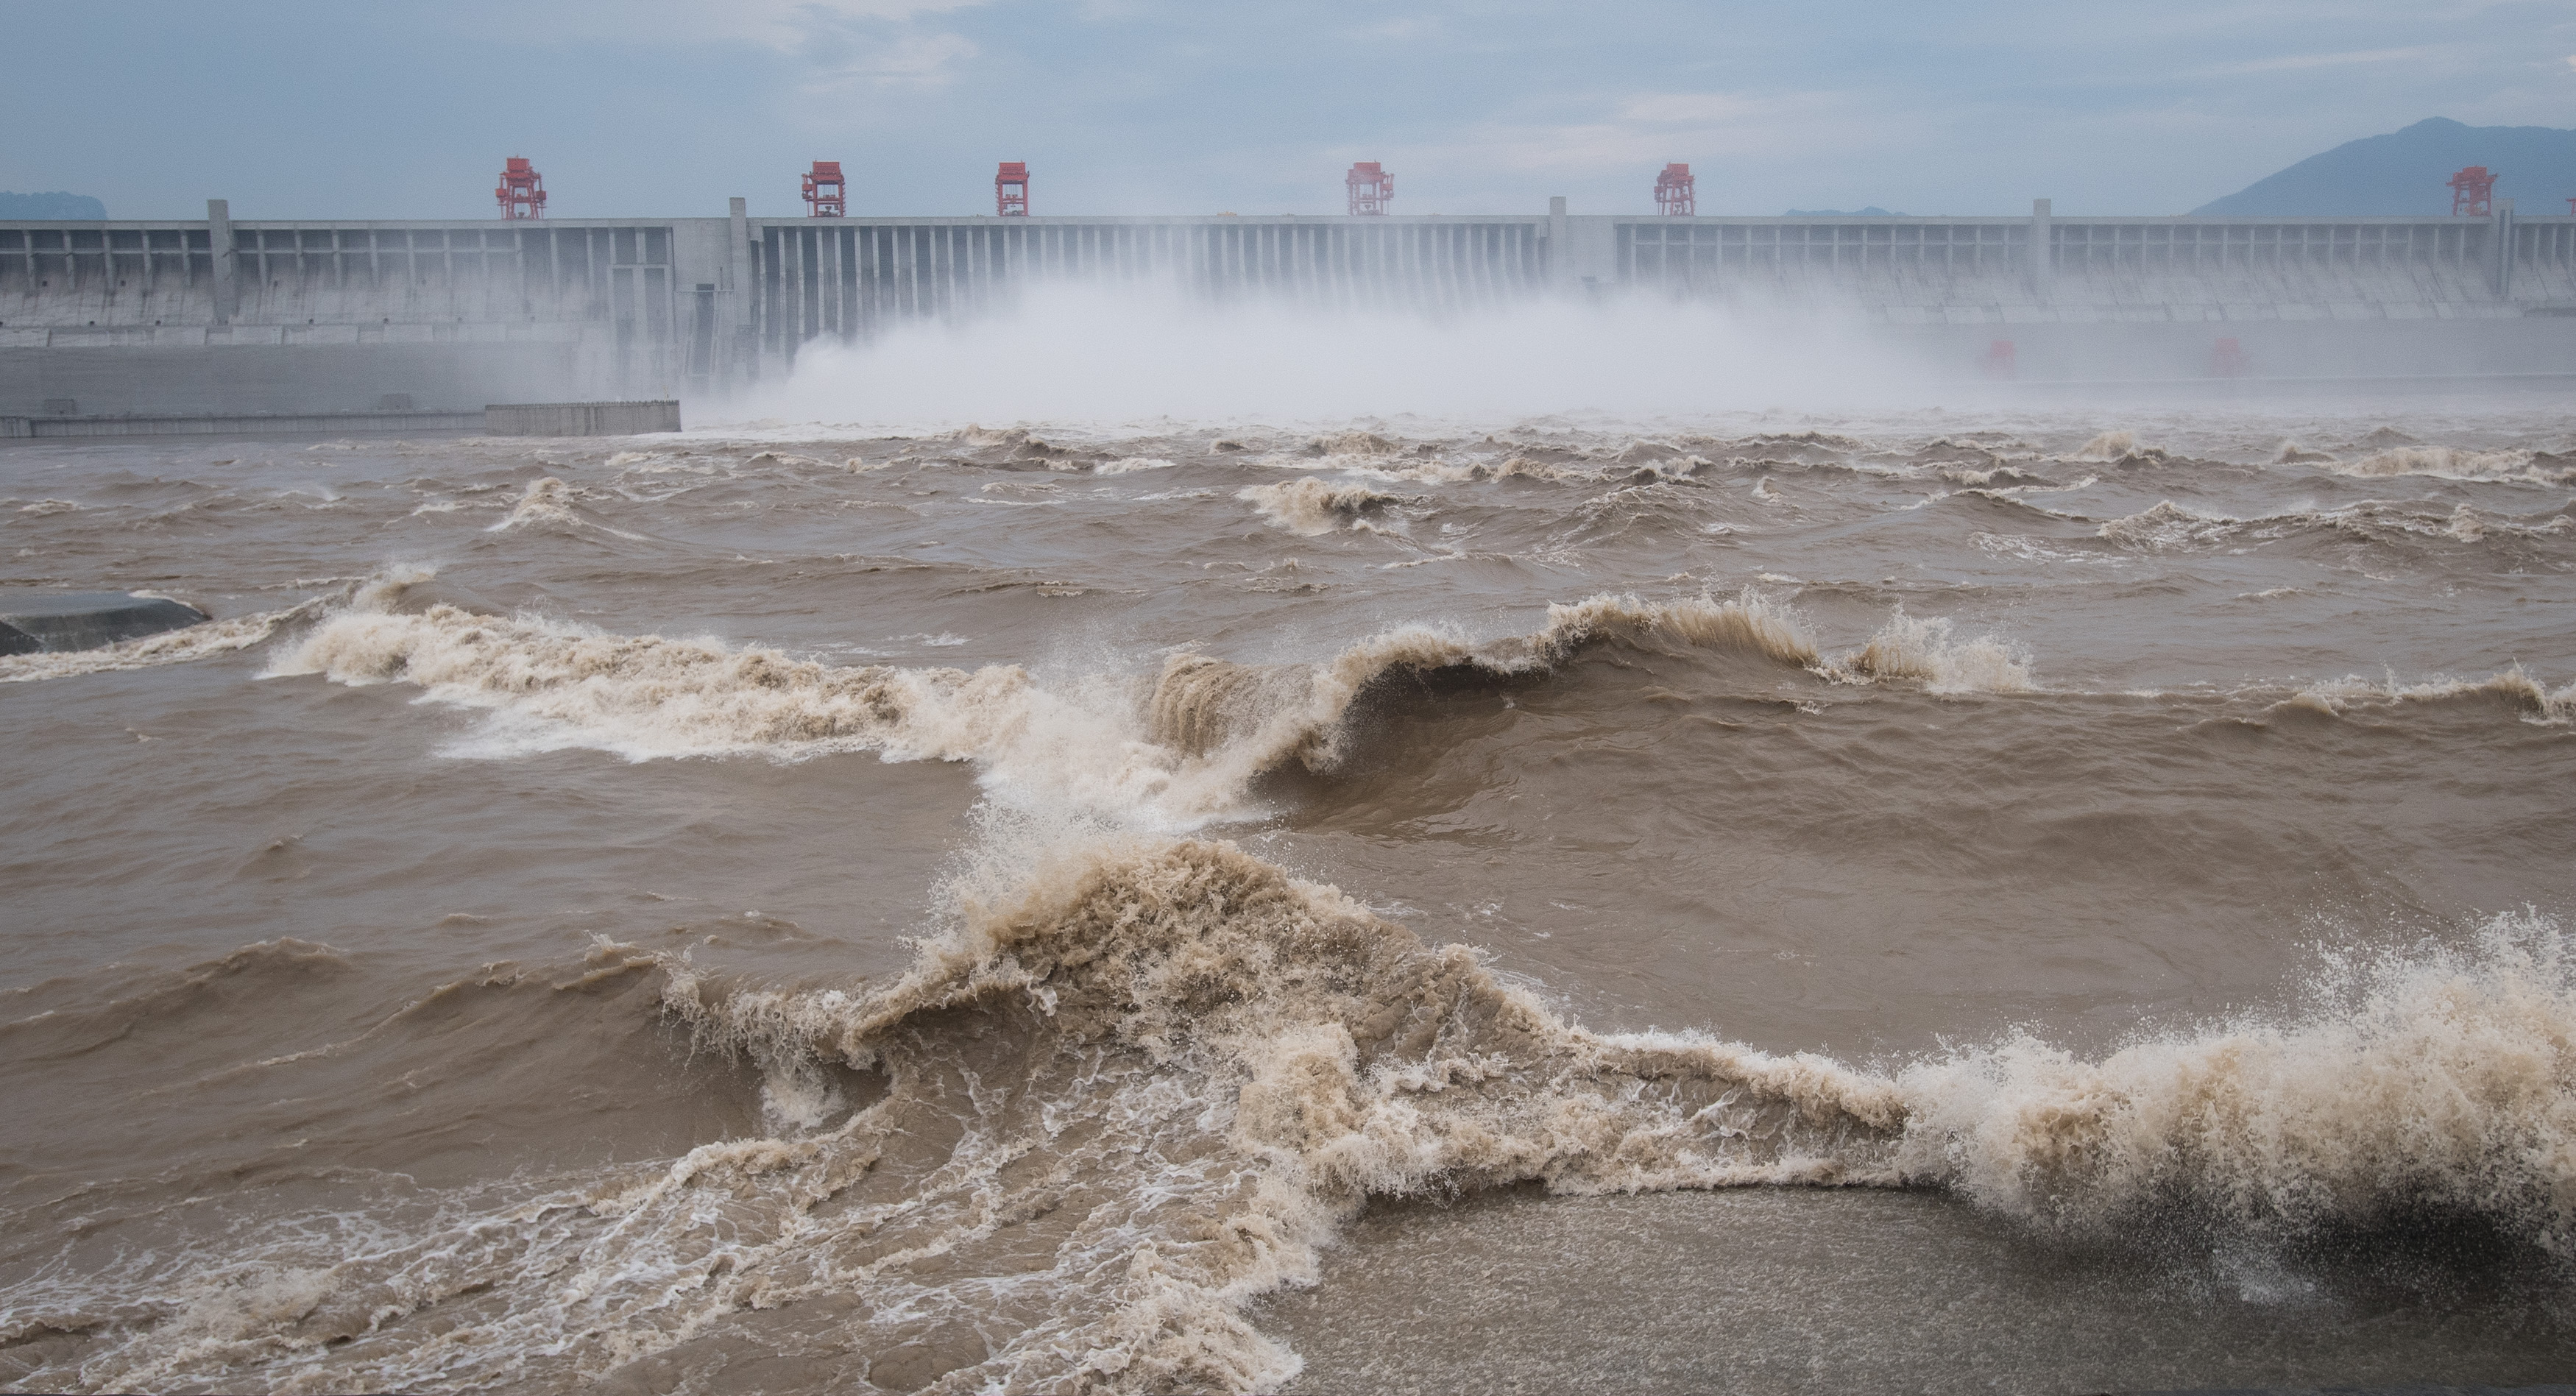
x=239 y=317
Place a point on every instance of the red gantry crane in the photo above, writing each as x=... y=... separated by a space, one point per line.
x=1371 y=187
x=1675 y=195
x=1011 y=189
x=522 y=190
x=824 y=192
x=2473 y=192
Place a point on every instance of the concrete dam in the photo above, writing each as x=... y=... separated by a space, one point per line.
x=223 y=316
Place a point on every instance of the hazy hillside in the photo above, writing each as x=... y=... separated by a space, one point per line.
x=50 y=206
x=2405 y=172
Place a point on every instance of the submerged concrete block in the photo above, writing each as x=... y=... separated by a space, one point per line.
x=33 y=621
x=580 y=418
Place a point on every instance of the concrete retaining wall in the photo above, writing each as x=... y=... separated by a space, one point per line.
x=509 y=419
x=263 y=424
x=580 y=418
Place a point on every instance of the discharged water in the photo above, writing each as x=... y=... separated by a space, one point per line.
x=2020 y=901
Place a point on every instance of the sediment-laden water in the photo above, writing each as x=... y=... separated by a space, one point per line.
x=2019 y=901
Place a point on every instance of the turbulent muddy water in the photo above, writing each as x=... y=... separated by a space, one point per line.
x=2029 y=902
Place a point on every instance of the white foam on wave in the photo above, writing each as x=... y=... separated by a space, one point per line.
x=2452 y=463
x=1171 y=751
x=2539 y=703
x=202 y=641
x=1930 y=651
x=1444 y=471
x=551 y=685
x=2169 y=525
x=2420 y=1086
x=548 y=501
x=2112 y=447
x=1311 y=507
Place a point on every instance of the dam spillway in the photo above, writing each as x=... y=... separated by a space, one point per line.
x=219 y=315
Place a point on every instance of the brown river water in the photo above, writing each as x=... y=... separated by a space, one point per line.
x=2009 y=900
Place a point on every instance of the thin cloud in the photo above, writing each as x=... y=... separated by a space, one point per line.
x=918 y=60
x=1652 y=128
x=1401 y=30
x=1689 y=108
x=788 y=26
x=2299 y=62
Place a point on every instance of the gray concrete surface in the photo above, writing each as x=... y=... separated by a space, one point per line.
x=52 y=621
x=580 y=418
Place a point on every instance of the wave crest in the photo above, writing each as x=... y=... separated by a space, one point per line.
x=1257 y=717
x=2451 y=463
x=1322 y=1056
x=1256 y=1056
x=1132 y=1084
x=1930 y=651
x=2540 y=704
x=2117 y=447
x=660 y=696
x=2433 y=1086
x=1310 y=506
x=1191 y=750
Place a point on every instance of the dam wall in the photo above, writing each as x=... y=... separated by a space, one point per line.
x=226 y=316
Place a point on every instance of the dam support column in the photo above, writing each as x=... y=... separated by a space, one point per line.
x=2042 y=255
x=1560 y=258
x=742 y=358
x=219 y=242
x=2500 y=250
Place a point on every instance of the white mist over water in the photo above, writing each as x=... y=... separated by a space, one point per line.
x=1092 y=354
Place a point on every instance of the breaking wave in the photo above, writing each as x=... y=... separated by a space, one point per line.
x=2114 y=447
x=1185 y=750
x=2431 y=1087
x=544 y=501
x=1269 y=1054
x=202 y=641
x=1261 y=716
x=1135 y=1083
x=1930 y=651
x=2451 y=463
x=1510 y=467
x=1172 y=752
x=2168 y=526
x=548 y=501
x=1310 y=506
x=2538 y=702
x=553 y=684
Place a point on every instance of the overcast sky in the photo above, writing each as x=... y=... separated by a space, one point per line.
x=294 y=109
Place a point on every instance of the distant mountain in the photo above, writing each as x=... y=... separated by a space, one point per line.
x=1873 y=211
x=50 y=206
x=2405 y=172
